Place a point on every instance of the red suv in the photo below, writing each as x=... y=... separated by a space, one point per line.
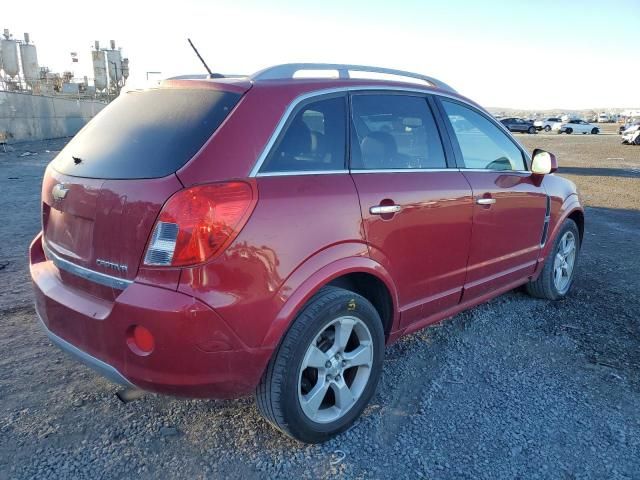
x=271 y=234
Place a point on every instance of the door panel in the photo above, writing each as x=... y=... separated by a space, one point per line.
x=425 y=245
x=509 y=206
x=507 y=233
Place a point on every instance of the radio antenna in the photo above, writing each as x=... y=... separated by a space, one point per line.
x=211 y=74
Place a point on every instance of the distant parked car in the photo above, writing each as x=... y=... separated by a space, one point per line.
x=604 y=118
x=631 y=136
x=546 y=123
x=518 y=125
x=633 y=122
x=575 y=126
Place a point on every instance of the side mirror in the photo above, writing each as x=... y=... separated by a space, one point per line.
x=543 y=162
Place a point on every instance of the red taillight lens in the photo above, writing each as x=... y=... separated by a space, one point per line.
x=200 y=222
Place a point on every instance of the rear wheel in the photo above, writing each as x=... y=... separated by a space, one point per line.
x=532 y=130
x=326 y=369
x=557 y=275
x=594 y=131
x=547 y=128
x=637 y=140
x=569 y=131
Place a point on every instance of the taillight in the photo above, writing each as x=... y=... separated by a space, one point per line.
x=198 y=223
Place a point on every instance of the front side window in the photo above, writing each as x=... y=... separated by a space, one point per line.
x=313 y=140
x=394 y=132
x=483 y=145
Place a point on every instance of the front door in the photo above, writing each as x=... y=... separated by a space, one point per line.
x=416 y=212
x=509 y=204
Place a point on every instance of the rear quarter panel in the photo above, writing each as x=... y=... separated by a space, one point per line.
x=297 y=219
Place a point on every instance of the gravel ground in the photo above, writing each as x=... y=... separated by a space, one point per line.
x=515 y=388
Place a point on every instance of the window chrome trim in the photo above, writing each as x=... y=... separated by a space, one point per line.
x=403 y=170
x=255 y=171
x=301 y=172
x=492 y=170
x=87 y=274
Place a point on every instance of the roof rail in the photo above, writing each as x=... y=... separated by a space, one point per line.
x=205 y=76
x=288 y=70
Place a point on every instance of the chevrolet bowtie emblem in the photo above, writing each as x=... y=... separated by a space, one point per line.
x=59 y=191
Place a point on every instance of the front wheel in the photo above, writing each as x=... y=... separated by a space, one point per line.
x=569 y=131
x=326 y=368
x=594 y=131
x=558 y=271
x=547 y=128
x=532 y=130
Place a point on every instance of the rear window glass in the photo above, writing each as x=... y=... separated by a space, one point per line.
x=145 y=134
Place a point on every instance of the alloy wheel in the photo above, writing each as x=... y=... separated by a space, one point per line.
x=335 y=369
x=564 y=262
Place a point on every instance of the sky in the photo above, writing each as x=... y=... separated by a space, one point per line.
x=542 y=54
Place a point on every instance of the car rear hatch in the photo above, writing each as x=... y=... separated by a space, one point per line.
x=102 y=194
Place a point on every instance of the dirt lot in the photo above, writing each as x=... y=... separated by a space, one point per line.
x=516 y=388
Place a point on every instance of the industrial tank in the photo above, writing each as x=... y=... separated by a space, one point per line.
x=30 y=67
x=9 y=49
x=125 y=68
x=114 y=65
x=99 y=69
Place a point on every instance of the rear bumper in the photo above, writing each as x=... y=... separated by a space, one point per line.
x=99 y=366
x=195 y=355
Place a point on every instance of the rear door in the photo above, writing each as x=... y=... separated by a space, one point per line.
x=416 y=211
x=509 y=205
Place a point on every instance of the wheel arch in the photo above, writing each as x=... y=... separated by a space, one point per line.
x=577 y=215
x=571 y=208
x=361 y=275
x=373 y=289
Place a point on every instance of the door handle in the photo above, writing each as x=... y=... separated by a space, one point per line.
x=486 y=201
x=384 y=209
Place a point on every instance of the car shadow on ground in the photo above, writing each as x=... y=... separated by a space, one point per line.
x=601 y=172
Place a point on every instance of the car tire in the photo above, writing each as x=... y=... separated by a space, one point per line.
x=595 y=131
x=569 y=131
x=532 y=130
x=284 y=395
x=637 y=140
x=549 y=285
x=547 y=128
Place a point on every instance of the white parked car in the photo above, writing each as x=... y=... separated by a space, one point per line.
x=631 y=136
x=546 y=123
x=575 y=126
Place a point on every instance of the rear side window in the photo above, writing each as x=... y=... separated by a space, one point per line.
x=394 y=132
x=145 y=134
x=314 y=139
x=483 y=145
